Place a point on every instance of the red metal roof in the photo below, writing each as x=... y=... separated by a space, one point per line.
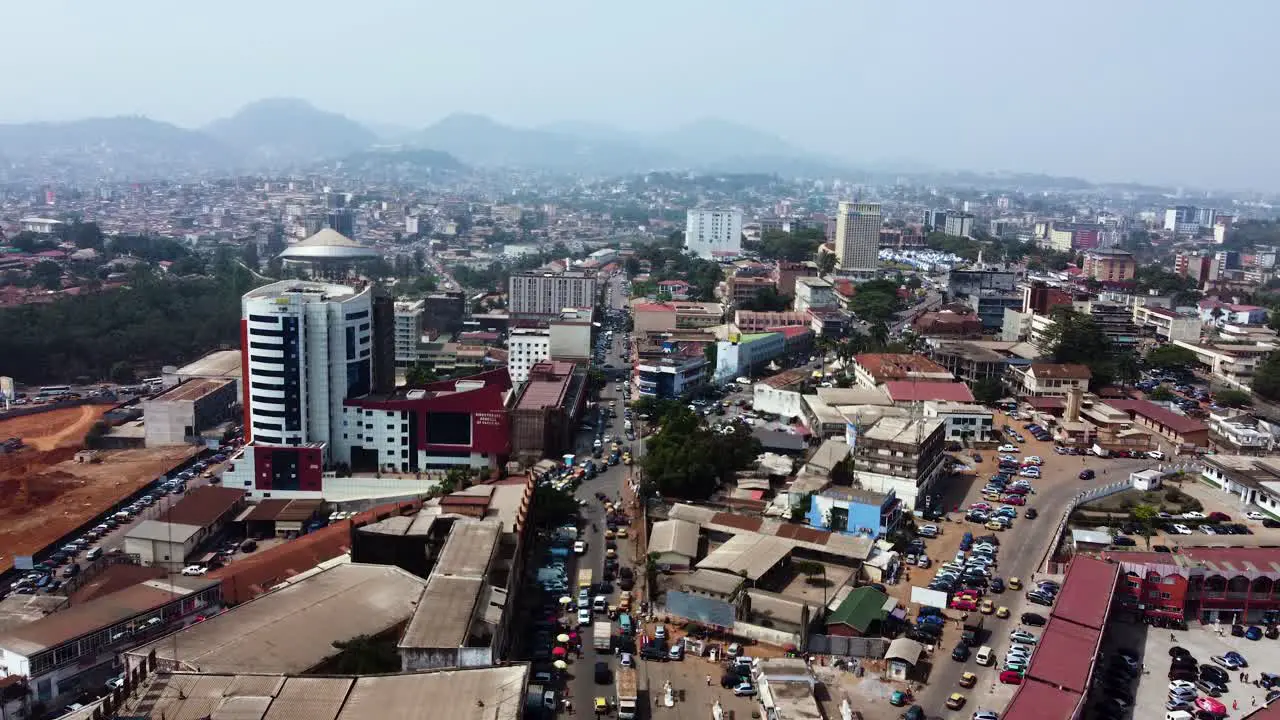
x=1035 y=700
x=1046 y=402
x=906 y=390
x=1151 y=411
x=203 y=506
x=741 y=522
x=1086 y=592
x=1065 y=654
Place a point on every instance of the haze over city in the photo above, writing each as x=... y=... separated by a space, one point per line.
x=1102 y=91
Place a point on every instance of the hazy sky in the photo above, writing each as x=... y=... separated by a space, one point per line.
x=1173 y=91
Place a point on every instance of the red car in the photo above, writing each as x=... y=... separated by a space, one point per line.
x=1210 y=705
x=963 y=604
x=1219 y=517
x=1011 y=677
x=1013 y=500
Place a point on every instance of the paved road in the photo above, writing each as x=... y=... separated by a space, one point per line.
x=1021 y=550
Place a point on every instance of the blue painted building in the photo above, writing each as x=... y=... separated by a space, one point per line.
x=853 y=511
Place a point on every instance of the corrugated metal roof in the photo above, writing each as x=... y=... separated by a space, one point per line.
x=444 y=613
x=310 y=699
x=482 y=694
x=674 y=536
x=1087 y=590
x=469 y=548
x=1065 y=654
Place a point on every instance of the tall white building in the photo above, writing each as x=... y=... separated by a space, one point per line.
x=525 y=348
x=548 y=294
x=708 y=233
x=307 y=347
x=858 y=238
x=408 y=332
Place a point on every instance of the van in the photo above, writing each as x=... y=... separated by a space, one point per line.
x=94 y=553
x=1178 y=715
x=984 y=656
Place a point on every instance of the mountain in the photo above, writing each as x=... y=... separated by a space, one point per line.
x=479 y=140
x=115 y=148
x=286 y=130
x=717 y=140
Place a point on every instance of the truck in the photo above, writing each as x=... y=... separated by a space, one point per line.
x=625 y=679
x=602 y=636
x=972 y=634
x=584 y=578
x=533 y=701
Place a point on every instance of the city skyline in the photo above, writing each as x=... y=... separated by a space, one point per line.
x=982 y=89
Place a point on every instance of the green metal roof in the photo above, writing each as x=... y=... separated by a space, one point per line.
x=862 y=607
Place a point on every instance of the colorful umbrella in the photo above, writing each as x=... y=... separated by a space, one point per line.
x=562 y=638
x=560 y=665
x=566 y=600
x=559 y=652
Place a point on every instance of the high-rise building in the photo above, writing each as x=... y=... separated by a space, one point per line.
x=307 y=347
x=408 y=333
x=708 y=233
x=1188 y=219
x=541 y=294
x=344 y=221
x=858 y=238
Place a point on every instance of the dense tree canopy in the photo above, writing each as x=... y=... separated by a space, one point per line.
x=1075 y=338
x=1266 y=381
x=768 y=299
x=152 y=323
x=688 y=460
x=795 y=246
x=1168 y=357
x=876 y=301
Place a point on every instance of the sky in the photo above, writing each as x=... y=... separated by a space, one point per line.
x=1175 y=92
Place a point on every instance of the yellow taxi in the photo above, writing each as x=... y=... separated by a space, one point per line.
x=1002 y=612
x=1014 y=583
x=968 y=680
x=993 y=525
x=986 y=607
x=608 y=534
x=956 y=701
x=991 y=497
x=622 y=532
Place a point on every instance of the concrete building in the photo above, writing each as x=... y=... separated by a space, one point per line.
x=546 y=410
x=527 y=347
x=676 y=542
x=671 y=316
x=542 y=294
x=1110 y=265
x=1166 y=325
x=54 y=652
x=1188 y=219
x=747 y=355
x=962 y=283
x=217 y=365
x=443 y=312
x=308 y=346
x=1049 y=379
x=811 y=293
x=178 y=415
x=875 y=369
x=670 y=377
x=1233 y=364
x=743 y=288
x=857 y=239
x=408 y=332
x=963 y=422
x=853 y=511
x=780 y=394
x=968 y=362
x=713 y=233
x=900 y=455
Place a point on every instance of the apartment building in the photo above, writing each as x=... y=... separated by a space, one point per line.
x=901 y=455
x=713 y=233
x=1109 y=265
x=1231 y=363
x=857 y=239
x=968 y=362
x=1165 y=324
x=408 y=332
x=1049 y=379
x=542 y=294
x=812 y=292
x=741 y=287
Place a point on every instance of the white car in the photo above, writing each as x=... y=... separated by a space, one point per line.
x=1255 y=515
x=1180 y=685
x=1030 y=472
x=1032 y=460
x=584 y=616
x=192 y=570
x=1193 y=515
x=1155 y=454
x=1007 y=448
x=1181 y=529
x=580 y=547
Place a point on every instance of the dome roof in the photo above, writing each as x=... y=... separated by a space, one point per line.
x=328 y=244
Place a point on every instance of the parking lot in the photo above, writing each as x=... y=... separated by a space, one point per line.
x=1204 y=643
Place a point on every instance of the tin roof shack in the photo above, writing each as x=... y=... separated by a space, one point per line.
x=676 y=542
x=459 y=620
x=293 y=629
x=490 y=693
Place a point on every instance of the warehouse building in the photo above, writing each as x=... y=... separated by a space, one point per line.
x=180 y=414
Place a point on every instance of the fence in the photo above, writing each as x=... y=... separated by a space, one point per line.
x=1046 y=563
x=839 y=645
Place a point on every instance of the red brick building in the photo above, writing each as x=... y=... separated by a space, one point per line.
x=1206 y=584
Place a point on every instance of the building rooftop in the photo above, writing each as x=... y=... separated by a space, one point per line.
x=883 y=367
x=287 y=288
x=750 y=554
x=901 y=430
x=100 y=614
x=836 y=397
x=909 y=391
x=469 y=548
x=1061 y=371
x=1066 y=652
x=861 y=607
x=1037 y=700
x=328 y=244
x=1164 y=416
x=488 y=693
x=674 y=536
x=163 y=531
x=292 y=629
x=203 y=506
x=713 y=581
x=191 y=390
x=969 y=351
x=219 y=363
x=444 y=615
x=1086 y=592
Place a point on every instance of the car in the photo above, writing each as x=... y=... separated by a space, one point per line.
x=1040 y=598
x=744 y=690
x=1181 y=685
x=580 y=547
x=1010 y=677
x=960 y=653
x=955 y=701
x=1022 y=636
x=1216 y=674
x=1255 y=515
x=1002 y=612
x=194 y=570
x=1226 y=662
x=1087 y=475
x=584 y=616
x=1253 y=633
x=1032 y=460
x=928 y=531
x=1155 y=454
x=1007 y=448
x=967 y=680
x=1180 y=529
x=1210 y=706
x=1193 y=515
x=1015 y=583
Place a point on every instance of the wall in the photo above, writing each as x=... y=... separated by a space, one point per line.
x=786 y=403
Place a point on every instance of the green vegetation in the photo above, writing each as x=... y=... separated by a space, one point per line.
x=1168 y=357
x=1251 y=233
x=988 y=391
x=768 y=299
x=826 y=263
x=876 y=301
x=687 y=460
x=1155 y=278
x=152 y=322
x=668 y=261
x=1266 y=381
x=1075 y=338
x=1231 y=398
x=794 y=246
x=1160 y=393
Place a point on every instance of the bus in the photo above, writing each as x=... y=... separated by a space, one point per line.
x=53 y=390
x=153 y=383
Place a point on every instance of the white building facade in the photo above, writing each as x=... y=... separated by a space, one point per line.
x=308 y=346
x=525 y=348
x=548 y=294
x=711 y=232
x=858 y=239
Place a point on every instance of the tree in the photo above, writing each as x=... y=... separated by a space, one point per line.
x=1167 y=357
x=1232 y=398
x=685 y=459
x=1266 y=380
x=420 y=374
x=249 y=256
x=551 y=507
x=988 y=391
x=768 y=299
x=792 y=247
x=1145 y=515
x=47 y=274
x=631 y=265
x=1075 y=338
x=455 y=479
x=85 y=235
x=122 y=373
x=826 y=263
x=1160 y=393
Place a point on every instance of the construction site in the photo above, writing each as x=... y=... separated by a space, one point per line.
x=49 y=486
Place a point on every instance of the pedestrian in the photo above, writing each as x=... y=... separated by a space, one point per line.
x=1172 y=638
x=708 y=681
x=1253 y=701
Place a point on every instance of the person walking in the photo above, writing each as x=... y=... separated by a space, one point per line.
x=708 y=681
